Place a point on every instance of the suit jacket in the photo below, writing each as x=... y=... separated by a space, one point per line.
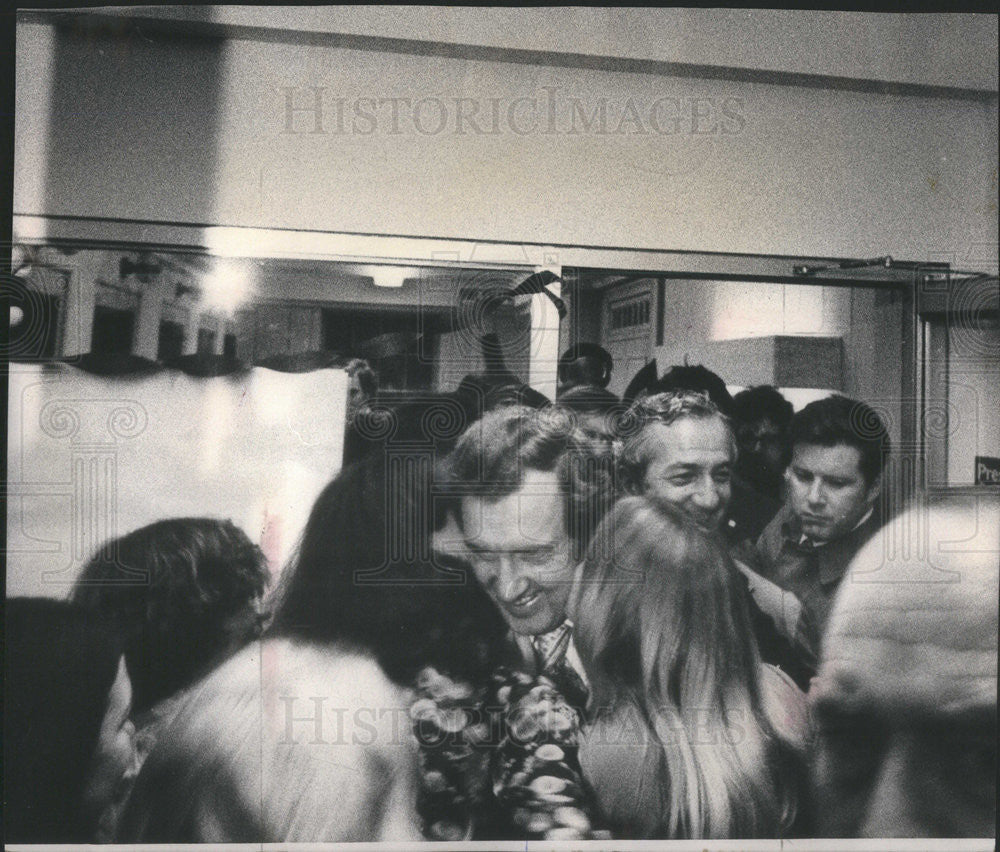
x=812 y=573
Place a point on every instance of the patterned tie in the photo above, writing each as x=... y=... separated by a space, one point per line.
x=550 y=655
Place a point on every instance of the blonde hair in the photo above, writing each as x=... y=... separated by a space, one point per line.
x=286 y=742
x=667 y=640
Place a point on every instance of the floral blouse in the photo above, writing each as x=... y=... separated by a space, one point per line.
x=500 y=761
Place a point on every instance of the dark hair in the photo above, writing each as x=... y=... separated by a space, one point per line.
x=840 y=420
x=173 y=587
x=427 y=420
x=697 y=378
x=365 y=575
x=638 y=448
x=479 y=393
x=60 y=663
x=585 y=364
x=762 y=401
x=491 y=458
x=589 y=399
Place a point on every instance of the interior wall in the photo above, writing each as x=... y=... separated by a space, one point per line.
x=973 y=391
x=869 y=320
x=740 y=167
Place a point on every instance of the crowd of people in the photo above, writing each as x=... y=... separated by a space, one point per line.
x=673 y=615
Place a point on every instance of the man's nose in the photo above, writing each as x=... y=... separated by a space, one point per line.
x=891 y=811
x=816 y=494
x=707 y=496
x=509 y=583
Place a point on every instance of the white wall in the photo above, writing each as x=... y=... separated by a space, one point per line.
x=193 y=131
x=932 y=49
x=869 y=321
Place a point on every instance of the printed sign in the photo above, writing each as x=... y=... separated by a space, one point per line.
x=987 y=470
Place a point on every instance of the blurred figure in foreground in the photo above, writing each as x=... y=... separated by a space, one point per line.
x=186 y=593
x=69 y=747
x=906 y=695
x=285 y=743
x=688 y=734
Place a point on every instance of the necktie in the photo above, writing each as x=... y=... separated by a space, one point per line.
x=550 y=654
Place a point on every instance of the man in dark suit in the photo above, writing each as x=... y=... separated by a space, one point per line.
x=834 y=480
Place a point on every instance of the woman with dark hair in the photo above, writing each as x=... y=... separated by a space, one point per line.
x=689 y=736
x=365 y=579
x=364 y=574
x=69 y=751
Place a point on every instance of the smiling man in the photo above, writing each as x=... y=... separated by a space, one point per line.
x=532 y=488
x=834 y=479
x=681 y=452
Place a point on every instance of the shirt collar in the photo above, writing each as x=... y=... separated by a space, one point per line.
x=792 y=529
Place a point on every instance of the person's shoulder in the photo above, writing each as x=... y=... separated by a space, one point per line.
x=770 y=540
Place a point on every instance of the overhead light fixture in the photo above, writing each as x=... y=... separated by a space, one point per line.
x=387 y=276
x=886 y=262
x=226 y=286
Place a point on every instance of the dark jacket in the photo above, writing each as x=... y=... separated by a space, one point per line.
x=812 y=573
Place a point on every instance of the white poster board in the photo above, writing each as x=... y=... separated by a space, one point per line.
x=93 y=457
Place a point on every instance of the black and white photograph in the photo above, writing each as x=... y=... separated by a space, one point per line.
x=501 y=428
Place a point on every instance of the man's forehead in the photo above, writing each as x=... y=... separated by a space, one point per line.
x=689 y=435
x=533 y=514
x=842 y=459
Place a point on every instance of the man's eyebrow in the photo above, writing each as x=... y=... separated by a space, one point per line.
x=528 y=548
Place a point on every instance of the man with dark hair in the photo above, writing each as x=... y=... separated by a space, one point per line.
x=186 y=593
x=532 y=488
x=839 y=448
x=762 y=417
x=597 y=410
x=697 y=378
x=584 y=364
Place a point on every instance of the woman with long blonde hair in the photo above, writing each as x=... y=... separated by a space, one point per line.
x=689 y=735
